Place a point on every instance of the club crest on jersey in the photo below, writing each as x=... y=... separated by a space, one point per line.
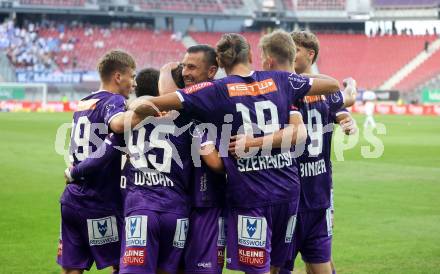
x=102 y=231
x=335 y=97
x=252 y=231
x=221 y=240
x=181 y=232
x=136 y=230
x=290 y=229
x=197 y=87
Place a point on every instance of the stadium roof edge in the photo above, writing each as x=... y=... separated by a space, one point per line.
x=138 y=14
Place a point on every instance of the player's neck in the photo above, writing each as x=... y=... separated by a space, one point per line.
x=308 y=70
x=288 y=68
x=109 y=87
x=240 y=70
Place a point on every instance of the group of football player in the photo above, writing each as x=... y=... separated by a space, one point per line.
x=235 y=169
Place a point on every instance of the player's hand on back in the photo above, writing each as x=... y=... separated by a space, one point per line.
x=240 y=144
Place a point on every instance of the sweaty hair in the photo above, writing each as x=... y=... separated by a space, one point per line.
x=307 y=40
x=232 y=49
x=147 y=82
x=280 y=46
x=113 y=61
x=209 y=52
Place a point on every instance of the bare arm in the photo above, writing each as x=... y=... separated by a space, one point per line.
x=287 y=137
x=212 y=158
x=117 y=124
x=322 y=86
x=166 y=81
x=153 y=106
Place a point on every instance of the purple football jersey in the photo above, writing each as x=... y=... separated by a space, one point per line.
x=257 y=104
x=314 y=164
x=160 y=170
x=209 y=187
x=90 y=126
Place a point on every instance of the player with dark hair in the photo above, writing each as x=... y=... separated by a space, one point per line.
x=147 y=82
x=262 y=190
x=91 y=212
x=204 y=250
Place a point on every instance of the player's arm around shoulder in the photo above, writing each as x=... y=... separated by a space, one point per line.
x=142 y=108
x=322 y=84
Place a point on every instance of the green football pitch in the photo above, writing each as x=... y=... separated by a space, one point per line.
x=387 y=209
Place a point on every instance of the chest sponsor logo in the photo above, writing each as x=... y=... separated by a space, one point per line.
x=252 y=256
x=136 y=230
x=252 y=231
x=102 y=231
x=134 y=256
x=181 y=232
x=221 y=240
x=252 y=89
x=290 y=229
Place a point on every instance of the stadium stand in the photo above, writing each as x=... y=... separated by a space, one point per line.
x=232 y=4
x=288 y=4
x=370 y=60
x=61 y=3
x=86 y=45
x=25 y=49
x=339 y=50
x=179 y=5
x=426 y=71
x=405 y=3
x=321 y=4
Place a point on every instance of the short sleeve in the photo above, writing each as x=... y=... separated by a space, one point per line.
x=199 y=100
x=335 y=101
x=298 y=86
x=106 y=152
x=114 y=106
